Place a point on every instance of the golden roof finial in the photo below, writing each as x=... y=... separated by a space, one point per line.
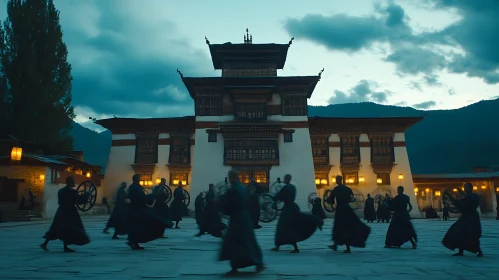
x=248 y=39
x=207 y=41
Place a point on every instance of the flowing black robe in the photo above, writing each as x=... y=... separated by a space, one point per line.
x=212 y=223
x=317 y=208
x=254 y=206
x=400 y=230
x=369 y=211
x=239 y=245
x=348 y=229
x=178 y=208
x=67 y=225
x=161 y=208
x=119 y=217
x=465 y=233
x=144 y=224
x=293 y=226
x=198 y=209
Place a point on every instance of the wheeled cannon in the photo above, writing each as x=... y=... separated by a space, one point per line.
x=89 y=188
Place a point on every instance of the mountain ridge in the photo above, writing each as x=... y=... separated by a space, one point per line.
x=445 y=141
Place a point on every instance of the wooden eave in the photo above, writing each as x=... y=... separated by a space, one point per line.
x=221 y=52
x=26 y=160
x=360 y=125
x=263 y=81
x=140 y=168
x=156 y=125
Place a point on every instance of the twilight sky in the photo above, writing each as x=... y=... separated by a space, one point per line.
x=428 y=54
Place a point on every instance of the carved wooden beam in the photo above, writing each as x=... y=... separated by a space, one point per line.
x=349 y=134
x=382 y=167
x=323 y=168
x=177 y=168
x=143 y=168
x=372 y=135
x=350 y=168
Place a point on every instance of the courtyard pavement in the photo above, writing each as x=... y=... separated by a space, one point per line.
x=183 y=256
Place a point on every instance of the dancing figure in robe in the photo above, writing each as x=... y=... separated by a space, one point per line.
x=317 y=209
x=144 y=224
x=198 y=209
x=178 y=208
x=118 y=219
x=293 y=226
x=465 y=233
x=369 y=211
x=211 y=223
x=254 y=190
x=67 y=225
x=239 y=245
x=400 y=230
x=161 y=208
x=348 y=229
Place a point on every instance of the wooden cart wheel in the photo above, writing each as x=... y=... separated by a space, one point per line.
x=274 y=190
x=329 y=207
x=187 y=196
x=268 y=208
x=311 y=199
x=89 y=188
x=450 y=197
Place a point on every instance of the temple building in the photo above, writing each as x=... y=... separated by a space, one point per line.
x=255 y=121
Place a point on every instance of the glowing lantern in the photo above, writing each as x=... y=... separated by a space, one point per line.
x=258 y=180
x=361 y=179
x=324 y=182
x=184 y=182
x=437 y=193
x=475 y=188
x=175 y=182
x=416 y=190
x=16 y=154
x=401 y=176
x=88 y=174
x=42 y=177
x=484 y=187
x=158 y=180
x=379 y=181
x=415 y=193
x=454 y=190
x=334 y=180
x=497 y=189
x=317 y=181
x=141 y=183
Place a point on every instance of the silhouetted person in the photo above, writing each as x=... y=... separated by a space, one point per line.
x=369 y=211
x=119 y=217
x=347 y=229
x=178 y=208
x=465 y=233
x=32 y=200
x=239 y=245
x=254 y=190
x=67 y=225
x=161 y=208
x=317 y=208
x=22 y=203
x=211 y=223
x=445 y=213
x=198 y=209
x=293 y=226
x=400 y=230
x=144 y=224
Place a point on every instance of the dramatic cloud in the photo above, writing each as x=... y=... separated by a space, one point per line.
x=125 y=63
x=362 y=92
x=425 y=105
x=475 y=34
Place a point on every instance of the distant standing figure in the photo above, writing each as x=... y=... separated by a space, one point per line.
x=211 y=222
x=445 y=213
x=119 y=217
x=178 y=207
x=161 y=208
x=465 y=233
x=317 y=208
x=67 y=225
x=198 y=209
x=347 y=228
x=400 y=230
x=369 y=211
x=22 y=203
x=239 y=245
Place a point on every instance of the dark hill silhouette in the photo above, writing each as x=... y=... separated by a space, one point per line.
x=446 y=141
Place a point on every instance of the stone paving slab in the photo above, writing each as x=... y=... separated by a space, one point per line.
x=183 y=256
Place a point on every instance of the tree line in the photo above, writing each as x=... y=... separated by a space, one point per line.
x=35 y=77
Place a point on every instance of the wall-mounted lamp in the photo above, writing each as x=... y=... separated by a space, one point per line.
x=324 y=182
x=175 y=182
x=475 y=188
x=427 y=190
x=333 y=180
x=401 y=176
x=484 y=187
x=16 y=153
x=454 y=190
x=257 y=180
x=497 y=189
x=437 y=193
x=379 y=181
x=88 y=174
x=362 y=179
x=184 y=182
x=317 y=181
x=141 y=183
x=416 y=190
x=42 y=177
x=158 y=180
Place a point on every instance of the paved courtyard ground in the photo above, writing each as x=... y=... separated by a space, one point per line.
x=183 y=256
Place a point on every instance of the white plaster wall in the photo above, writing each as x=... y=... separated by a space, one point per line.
x=118 y=170
x=296 y=159
x=370 y=185
x=207 y=164
x=50 y=197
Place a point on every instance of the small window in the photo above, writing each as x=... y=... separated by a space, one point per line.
x=383 y=179
x=212 y=137
x=288 y=137
x=351 y=178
